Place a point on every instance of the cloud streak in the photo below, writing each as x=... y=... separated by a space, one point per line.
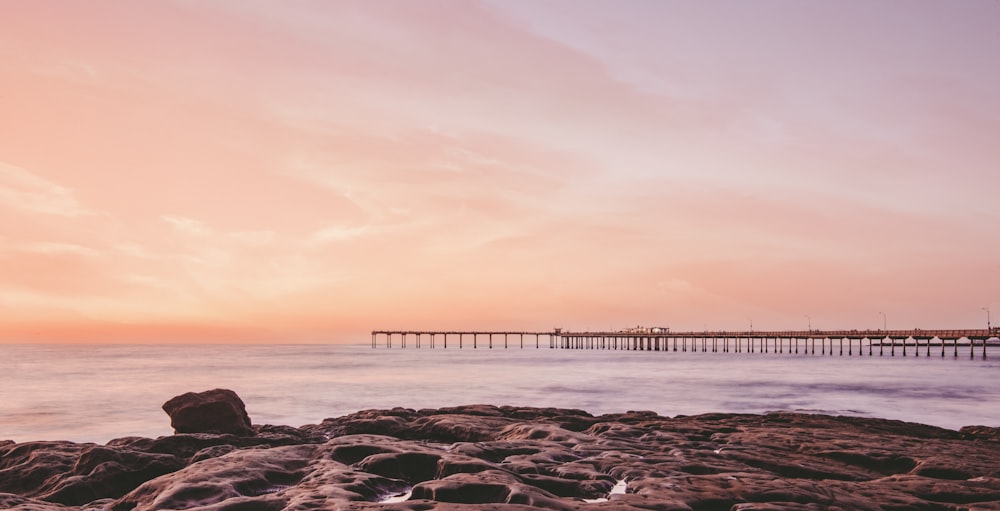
x=23 y=190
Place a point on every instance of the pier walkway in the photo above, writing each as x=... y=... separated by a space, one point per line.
x=830 y=342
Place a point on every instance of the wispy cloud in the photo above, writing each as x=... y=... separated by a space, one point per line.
x=188 y=226
x=337 y=234
x=70 y=70
x=253 y=238
x=23 y=190
x=57 y=248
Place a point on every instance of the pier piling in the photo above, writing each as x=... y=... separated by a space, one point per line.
x=716 y=342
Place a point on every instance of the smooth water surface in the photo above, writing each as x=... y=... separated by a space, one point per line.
x=96 y=393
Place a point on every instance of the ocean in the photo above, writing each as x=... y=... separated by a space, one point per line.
x=94 y=393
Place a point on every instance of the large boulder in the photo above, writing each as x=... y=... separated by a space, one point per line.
x=217 y=411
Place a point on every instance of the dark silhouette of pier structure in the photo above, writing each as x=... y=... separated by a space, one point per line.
x=808 y=342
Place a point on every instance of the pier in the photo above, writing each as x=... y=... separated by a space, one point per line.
x=462 y=339
x=903 y=343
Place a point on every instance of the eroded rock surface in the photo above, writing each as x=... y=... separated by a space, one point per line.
x=509 y=458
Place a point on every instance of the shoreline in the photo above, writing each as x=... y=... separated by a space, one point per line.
x=490 y=457
x=51 y=394
x=828 y=413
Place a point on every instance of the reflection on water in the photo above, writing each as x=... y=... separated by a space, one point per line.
x=95 y=393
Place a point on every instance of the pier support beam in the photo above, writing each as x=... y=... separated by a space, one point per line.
x=756 y=342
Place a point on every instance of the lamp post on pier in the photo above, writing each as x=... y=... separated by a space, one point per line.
x=989 y=327
x=884 y=329
x=810 y=323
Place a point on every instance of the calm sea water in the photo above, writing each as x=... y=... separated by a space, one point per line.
x=96 y=393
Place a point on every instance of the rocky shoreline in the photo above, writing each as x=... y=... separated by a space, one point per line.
x=489 y=457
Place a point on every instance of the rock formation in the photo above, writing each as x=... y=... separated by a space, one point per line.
x=511 y=458
x=212 y=411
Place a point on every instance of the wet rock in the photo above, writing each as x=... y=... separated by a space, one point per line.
x=412 y=467
x=477 y=410
x=200 y=444
x=981 y=433
x=491 y=488
x=574 y=488
x=212 y=452
x=513 y=458
x=212 y=411
x=457 y=464
x=13 y=502
x=29 y=468
x=488 y=487
x=102 y=472
x=937 y=468
x=460 y=428
x=354 y=448
x=74 y=474
x=360 y=424
x=233 y=478
x=541 y=431
x=878 y=461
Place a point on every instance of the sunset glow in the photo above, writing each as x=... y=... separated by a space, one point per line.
x=264 y=171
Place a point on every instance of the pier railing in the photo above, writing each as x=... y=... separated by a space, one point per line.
x=840 y=342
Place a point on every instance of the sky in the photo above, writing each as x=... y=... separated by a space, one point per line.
x=309 y=171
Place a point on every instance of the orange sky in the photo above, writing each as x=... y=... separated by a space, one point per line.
x=206 y=171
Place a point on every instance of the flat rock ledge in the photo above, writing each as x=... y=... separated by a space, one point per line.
x=509 y=458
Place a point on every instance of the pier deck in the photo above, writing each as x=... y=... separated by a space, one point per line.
x=840 y=342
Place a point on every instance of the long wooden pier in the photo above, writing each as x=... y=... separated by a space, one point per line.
x=830 y=342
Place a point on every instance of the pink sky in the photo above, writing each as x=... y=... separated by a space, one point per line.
x=264 y=171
